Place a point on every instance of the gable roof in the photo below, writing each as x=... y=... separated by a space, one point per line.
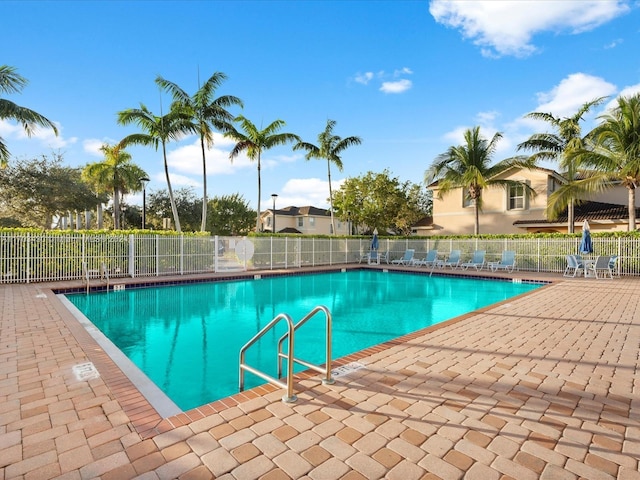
x=548 y=171
x=296 y=211
x=588 y=211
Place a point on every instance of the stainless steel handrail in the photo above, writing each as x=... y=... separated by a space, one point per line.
x=290 y=397
x=103 y=273
x=289 y=355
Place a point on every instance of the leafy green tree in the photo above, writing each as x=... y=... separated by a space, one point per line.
x=329 y=148
x=157 y=131
x=254 y=142
x=377 y=200
x=12 y=82
x=187 y=204
x=115 y=174
x=416 y=206
x=230 y=215
x=205 y=111
x=559 y=146
x=613 y=149
x=468 y=167
x=36 y=191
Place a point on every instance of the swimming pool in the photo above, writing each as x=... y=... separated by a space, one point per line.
x=187 y=338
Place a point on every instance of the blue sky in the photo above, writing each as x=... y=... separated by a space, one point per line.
x=408 y=77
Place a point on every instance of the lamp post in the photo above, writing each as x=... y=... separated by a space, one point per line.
x=274 y=196
x=143 y=182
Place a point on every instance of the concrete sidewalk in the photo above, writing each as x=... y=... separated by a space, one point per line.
x=545 y=385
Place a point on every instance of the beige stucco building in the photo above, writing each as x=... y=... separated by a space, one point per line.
x=305 y=220
x=507 y=210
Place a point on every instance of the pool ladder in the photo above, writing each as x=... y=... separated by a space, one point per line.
x=102 y=273
x=289 y=337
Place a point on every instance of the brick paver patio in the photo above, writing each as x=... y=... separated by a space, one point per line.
x=545 y=386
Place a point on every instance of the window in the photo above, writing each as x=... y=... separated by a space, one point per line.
x=301 y=221
x=268 y=221
x=312 y=222
x=466 y=199
x=516 y=197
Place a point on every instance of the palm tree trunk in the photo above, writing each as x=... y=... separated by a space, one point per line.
x=174 y=209
x=116 y=209
x=99 y=216
x=632 y=208
x=259 y=194
x=203 y=225
x=333 y=224
x=476 y=227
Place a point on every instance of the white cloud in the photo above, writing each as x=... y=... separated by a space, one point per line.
x=613 y=44
x=188 y=158
x=178 y=181
x=402 y=71
x=507 y=27
x=363 y=78
x=44 y=136
x=563 y=100
x=399 y=86
x=301 y=192
x=625 y=92
x=572 y=92
x=92 y=145
x=389 y=84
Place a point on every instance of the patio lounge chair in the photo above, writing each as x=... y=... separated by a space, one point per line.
x=507 y=262
x=477 y=261
x=429 y=260
x=453 y=260
x=614 y=265
x=575 y=266
x=602 y=265
x=406 y=259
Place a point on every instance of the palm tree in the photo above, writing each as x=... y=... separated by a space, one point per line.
x=159 y=130
x=115 y=174
x=205 y=111
x=12 y=82
x=613 y=149
x=254 y=142
x=329 y=147
x=468 y=167
x=559 y=146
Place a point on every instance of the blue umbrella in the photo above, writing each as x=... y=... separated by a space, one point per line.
x=585 y=244
x=374 y=241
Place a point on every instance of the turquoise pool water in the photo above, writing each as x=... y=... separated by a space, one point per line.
x=187 y=338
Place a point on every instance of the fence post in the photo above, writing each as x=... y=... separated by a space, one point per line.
x=157 y=255
x=28 y=269
x=330 y=251
x=215 y=253
x=132 y=256
x=182 y=254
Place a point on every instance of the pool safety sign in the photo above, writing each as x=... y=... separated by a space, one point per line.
x=85 y=371
x=343 y=370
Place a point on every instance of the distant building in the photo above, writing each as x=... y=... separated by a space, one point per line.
x=508 y=211
x=302 y=220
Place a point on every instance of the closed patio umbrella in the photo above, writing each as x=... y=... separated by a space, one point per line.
x=374 y=241
x=585 y=244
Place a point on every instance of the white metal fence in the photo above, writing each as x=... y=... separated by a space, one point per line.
x=29 y=257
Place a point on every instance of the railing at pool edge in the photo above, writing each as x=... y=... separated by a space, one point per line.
x=328 y=326
x=290 y=336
